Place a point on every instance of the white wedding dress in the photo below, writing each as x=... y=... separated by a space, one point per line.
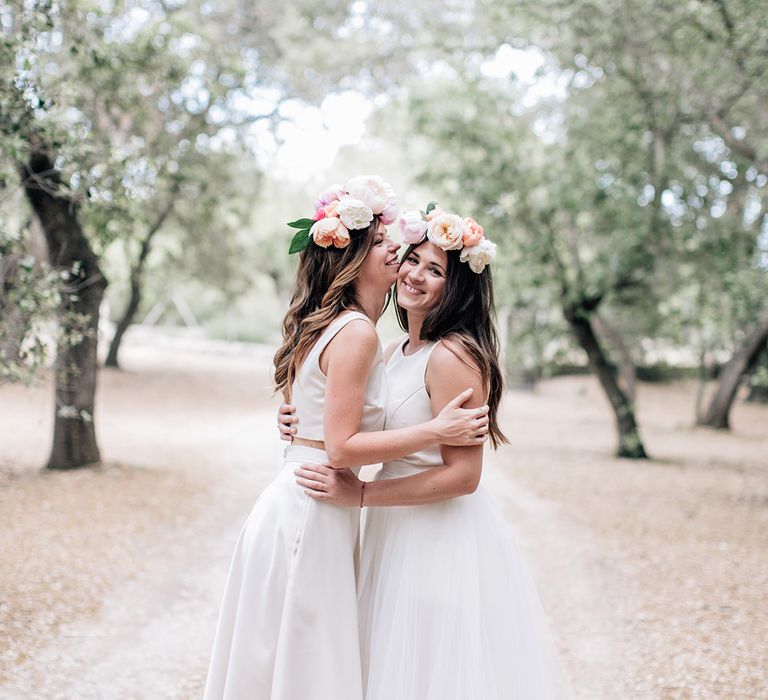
x=447 y=609
x=288 y=626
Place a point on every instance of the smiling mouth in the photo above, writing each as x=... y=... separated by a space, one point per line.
x=411 y=290
x=394 y=262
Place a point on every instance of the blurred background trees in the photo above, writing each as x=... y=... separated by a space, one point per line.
x=616 y=151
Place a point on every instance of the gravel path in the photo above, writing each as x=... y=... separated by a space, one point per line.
x=654 y=573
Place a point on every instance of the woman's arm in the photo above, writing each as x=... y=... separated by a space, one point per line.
x=287 y=419
x=347 y=373
x=459 y=475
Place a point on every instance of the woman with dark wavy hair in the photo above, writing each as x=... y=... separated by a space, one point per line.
x=447 y=609
x=288 y=623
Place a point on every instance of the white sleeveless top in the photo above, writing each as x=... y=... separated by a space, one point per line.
x=408 y=404
x=308 y=389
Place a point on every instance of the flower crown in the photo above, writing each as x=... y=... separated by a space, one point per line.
x=449 y=232
x=340 y=210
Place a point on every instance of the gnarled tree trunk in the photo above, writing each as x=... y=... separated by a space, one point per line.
x=137 y=275
x=627 y=370
x=578 y=316
x=74 y=434
x=742 y=362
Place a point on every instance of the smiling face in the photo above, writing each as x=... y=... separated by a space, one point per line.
x=381 y=263
x=421 y=278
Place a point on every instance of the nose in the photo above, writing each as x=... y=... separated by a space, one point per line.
x=416 y=273
x=393 y=247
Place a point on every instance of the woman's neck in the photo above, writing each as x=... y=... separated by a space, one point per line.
x=415 y=322
x=371 y=302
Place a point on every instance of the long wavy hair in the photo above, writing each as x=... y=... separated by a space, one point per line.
x=324 y=288
x=464 y=315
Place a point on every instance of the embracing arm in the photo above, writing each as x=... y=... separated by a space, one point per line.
x=346 y=382
x=459 y=475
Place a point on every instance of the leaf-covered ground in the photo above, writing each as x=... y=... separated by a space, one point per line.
x=654 y=573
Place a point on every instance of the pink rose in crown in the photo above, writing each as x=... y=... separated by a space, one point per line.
x=473 y=232
x=333 y=194
x=331 y=209
x=389 y=212
x=412 y=227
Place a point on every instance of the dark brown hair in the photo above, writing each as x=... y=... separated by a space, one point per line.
x=324 y=288
x=464 y=316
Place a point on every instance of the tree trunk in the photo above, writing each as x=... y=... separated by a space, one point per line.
x=137 y=275
x=630 y=444
x=627 y=370
x=742 y=362
x=82 y=288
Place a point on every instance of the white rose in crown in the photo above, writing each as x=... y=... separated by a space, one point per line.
x=446 y=231
x=478 y=256
x=354 y=213
x=372 y=191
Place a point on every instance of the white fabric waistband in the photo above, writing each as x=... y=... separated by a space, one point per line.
x=302 y=453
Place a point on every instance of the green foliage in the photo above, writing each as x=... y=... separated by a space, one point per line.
x=299 y=242
x=637 y=186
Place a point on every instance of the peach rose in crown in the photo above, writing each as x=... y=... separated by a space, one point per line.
x=446 y=231
x=330 y=231
x=473 y=232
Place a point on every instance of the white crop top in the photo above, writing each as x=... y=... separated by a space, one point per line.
x=308 y=389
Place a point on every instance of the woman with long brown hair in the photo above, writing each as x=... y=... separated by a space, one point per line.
x=447 y=609
x=288 y=623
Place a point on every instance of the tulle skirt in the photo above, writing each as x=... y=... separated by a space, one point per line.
x=447 y=608
x=288 y=625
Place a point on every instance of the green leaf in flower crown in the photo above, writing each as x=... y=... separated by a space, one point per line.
x=302 y=223
x=299 y=242
x=430 y=207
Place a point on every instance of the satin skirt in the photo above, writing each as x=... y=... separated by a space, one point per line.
x=448 y=609
x=288 y=627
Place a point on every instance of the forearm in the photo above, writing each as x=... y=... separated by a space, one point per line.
x=381 y=446
x=431 y=486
